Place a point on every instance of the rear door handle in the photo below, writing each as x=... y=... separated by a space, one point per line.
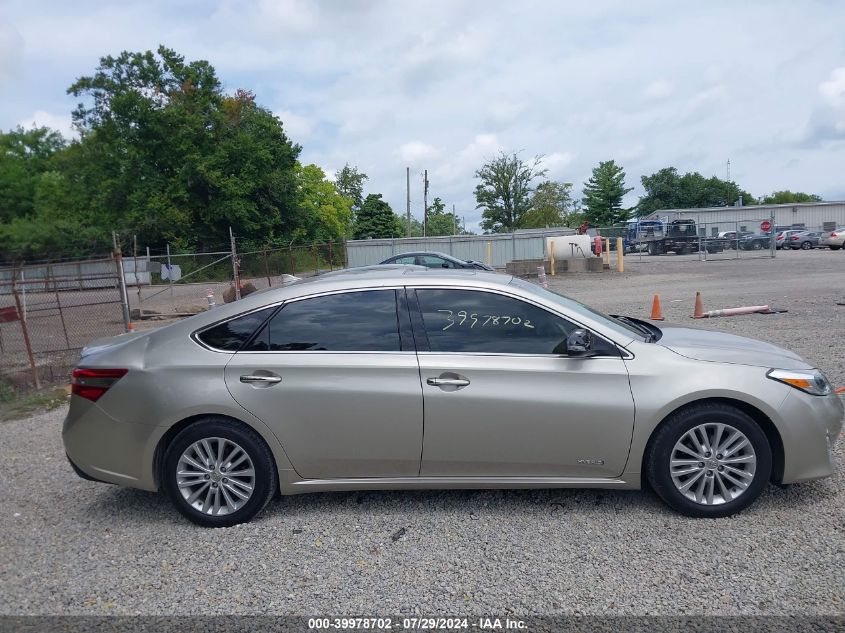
x=266 y=380
x=448 y=382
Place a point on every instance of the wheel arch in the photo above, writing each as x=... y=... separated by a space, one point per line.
x=765 y=423
x=176 y=428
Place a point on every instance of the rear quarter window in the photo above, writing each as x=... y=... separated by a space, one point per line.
x=231 y=335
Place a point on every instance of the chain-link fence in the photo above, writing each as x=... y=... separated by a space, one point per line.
x=49 y=311
x=172 y=284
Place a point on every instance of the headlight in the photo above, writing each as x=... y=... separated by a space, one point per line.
x=812 y=381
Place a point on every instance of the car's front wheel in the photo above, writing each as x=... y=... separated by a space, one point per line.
x=709 y=460
x=218 y=472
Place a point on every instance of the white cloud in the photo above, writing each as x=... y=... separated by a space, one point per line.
x=296 y=127
x=832 y=91
x=63 y=123
x=557 y=162
x=659 y=89
x=416 y=151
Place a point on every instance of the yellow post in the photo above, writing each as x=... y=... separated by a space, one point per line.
x=620 y=256
x=552 y=258
x=489 y=258
x=607 y=252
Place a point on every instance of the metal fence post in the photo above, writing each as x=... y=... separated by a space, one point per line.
x=26 y=340
x=169 y=271
x=58 y=303
x=124 y=296
x=331 y=257
x=235 y=270
x=267 y=269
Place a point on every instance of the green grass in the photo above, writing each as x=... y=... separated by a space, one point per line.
x=15 y=405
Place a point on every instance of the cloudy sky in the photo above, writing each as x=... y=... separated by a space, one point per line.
x=444 y=85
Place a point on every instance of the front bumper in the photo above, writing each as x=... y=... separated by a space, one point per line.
x=809 y=429
x=107 y=450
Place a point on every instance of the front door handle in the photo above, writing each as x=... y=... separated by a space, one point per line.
x=448 y=382
x=264 y=380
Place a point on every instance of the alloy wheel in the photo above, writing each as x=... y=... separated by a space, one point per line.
x=215 y=476
x=712 y=464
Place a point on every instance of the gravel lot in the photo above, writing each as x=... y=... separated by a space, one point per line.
x=74 y=547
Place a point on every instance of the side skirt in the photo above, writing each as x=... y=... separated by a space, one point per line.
x=299 y=486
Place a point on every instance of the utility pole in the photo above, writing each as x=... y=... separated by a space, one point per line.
x=408 y=196
x=729 y=170
x=454 y=221
x=425 y=201
x=235 y=265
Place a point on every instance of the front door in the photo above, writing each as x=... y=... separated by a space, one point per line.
x=338 y=384
x=502 y=400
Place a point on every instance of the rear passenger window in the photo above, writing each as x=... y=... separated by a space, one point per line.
x=231 y=335
x=483 y=322
x=347 y=322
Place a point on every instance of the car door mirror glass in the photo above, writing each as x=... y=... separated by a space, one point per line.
x=579 y=343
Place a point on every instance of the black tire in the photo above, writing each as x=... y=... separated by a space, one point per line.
x=656 y=466
x=654 y=248
x=757 y=246
x=835 y=248
x=265 y=480
x=805 y=246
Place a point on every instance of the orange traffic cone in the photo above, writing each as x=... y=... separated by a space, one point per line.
x=698 y=313
x=656 y=312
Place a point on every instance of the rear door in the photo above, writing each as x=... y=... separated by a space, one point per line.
x=503 y=400
x=336 y=378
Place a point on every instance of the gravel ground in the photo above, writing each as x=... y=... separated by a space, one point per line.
x=74 y=547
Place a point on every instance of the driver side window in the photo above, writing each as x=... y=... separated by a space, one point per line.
x=473 y=321
x=434 y=262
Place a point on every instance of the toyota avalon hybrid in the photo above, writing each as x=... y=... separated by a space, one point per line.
x=402 y=377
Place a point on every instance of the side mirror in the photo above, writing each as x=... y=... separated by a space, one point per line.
x=579 y=343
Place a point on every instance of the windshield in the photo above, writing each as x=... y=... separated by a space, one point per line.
x=570 y=305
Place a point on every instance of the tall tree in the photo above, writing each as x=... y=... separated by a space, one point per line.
x=603 y=194
x=375 y=219
x=551 y=205
x=505 y=191
x=667 y=189
x=441 y=222
x=326 y=213
x=350 y=183
x=786 y=197
x=166 y=154
x=25 y=155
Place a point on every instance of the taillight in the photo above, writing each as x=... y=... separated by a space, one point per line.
x=795 y=237
x=833 y=234
x=93 y=383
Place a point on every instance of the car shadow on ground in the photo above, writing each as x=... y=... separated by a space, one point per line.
x=127 y=506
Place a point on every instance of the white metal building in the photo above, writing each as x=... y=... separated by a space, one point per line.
x=813 y=216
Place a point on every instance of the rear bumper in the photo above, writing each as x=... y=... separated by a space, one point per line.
x=103 y=449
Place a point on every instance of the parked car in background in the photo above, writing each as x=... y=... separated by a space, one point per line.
x=433 y=259
x=328 y=384
x=755 y=241
x=833 y=240
x=732 y=238
x=804 y=240
x=782 y=239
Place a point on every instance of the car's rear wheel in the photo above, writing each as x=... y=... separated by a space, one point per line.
x=709 y=460
x=835 y=248
x=757 y=246
x=218 y=472
x=805 y=246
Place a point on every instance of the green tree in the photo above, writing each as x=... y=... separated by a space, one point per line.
x=326 y=213
x=350 y=183
x=441 y=222
x=167 y=155
x=551 y=205
x=505 y=191
x=603 y=195
x=667 y=189
x=25 y=155
x=375 y=219
x=786 y=197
